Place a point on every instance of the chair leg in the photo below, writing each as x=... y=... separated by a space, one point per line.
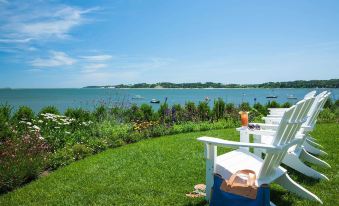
x=304 y=155
x=294 y=162
x=286 y=182
x=313 y=150
x=314 y=143
x=210 y=155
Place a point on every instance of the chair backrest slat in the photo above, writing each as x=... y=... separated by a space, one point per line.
x=289 y=125
x=315 y=107
x=310 y=94
x=320 y=105
x=301 y=117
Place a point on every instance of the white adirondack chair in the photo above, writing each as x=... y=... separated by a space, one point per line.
x=296 y=155
x=309 y=144
x=267 y=169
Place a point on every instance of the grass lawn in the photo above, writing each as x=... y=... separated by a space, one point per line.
x=159 y=172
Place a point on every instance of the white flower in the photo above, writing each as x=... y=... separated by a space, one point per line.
x=40 y=137
x=36 y=127
x=67 y=132
x=40 y=121
x=29 y=123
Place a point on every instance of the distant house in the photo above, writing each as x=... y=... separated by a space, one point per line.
x=158 y=87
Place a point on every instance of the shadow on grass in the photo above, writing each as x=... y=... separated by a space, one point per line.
x=301 y=178
x=277 y=198
x=200 y=203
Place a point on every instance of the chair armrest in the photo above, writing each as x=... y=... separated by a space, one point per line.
x=267 y=126
x=227 y=143
x=257 y=132
x=261 y=132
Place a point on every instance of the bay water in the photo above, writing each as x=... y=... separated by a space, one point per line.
x=90 y=98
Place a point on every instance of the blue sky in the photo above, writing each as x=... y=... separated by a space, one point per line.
x=78 y=43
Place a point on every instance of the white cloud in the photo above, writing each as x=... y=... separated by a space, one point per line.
x=56 y=59
x=95 y=62
x=103 y=57
x=15 y=40
x=93 y=68
x=59 y=25
x=25 y=21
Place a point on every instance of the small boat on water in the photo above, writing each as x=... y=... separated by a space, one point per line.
x=291 y=97
x=272 y=97
x=138 y=97
x=155 y=101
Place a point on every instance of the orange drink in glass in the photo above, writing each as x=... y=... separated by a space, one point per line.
x=244 y=118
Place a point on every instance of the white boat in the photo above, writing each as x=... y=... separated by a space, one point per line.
x=138 y=97
x=291 y=97
x=155 y=101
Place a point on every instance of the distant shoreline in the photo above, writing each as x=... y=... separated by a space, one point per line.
x=9 y=89
x=331 y=83
x=209 y=88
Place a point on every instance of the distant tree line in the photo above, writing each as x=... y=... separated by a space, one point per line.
x=332 y=83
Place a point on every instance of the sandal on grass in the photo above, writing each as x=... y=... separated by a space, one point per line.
x=199 y=191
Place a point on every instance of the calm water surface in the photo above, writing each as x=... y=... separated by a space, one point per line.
x=89 y=98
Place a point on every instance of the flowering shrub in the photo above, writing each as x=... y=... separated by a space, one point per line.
x=190 y=113
x=21 y=159
x=204 y=111
x=219 y=108
x=24 y=113
x=139 y=126
x=327 y=116
x=81 y=151
x=49 y=109
x=5 y=128
x=79 y=114
x=60 y=129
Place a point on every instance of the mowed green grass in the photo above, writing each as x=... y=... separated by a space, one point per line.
x=160 y=171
